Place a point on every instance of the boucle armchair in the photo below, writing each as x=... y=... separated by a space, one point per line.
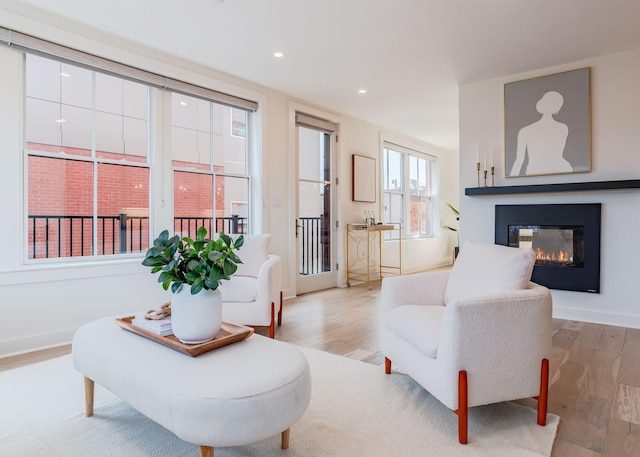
x=475 y=335
x=253 y=295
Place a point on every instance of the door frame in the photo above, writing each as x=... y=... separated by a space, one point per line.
x=290 y=271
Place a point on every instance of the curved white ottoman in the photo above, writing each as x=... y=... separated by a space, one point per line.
x=238 y=394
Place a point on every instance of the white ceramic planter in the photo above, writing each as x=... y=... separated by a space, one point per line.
x=196 y=318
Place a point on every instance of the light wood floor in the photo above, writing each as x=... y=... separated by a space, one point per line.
x=595 y=369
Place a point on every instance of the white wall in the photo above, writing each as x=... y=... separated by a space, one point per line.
x=615 y=141
x=42 y=305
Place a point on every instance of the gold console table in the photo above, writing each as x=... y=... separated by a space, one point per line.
x=364 y=252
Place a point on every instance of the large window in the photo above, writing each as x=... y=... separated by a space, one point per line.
x=87 y=161
x=210 y=163
x=407 y=188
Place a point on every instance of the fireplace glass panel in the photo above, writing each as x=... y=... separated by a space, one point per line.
x=554 y=246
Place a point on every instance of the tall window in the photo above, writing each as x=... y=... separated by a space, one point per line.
x=87 y=161
x=210 y=166
x=407 y=187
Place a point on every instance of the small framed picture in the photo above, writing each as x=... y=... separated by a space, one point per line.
x=547 y=125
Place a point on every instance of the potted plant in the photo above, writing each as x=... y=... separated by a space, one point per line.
x=196 y=311
x=456 y=213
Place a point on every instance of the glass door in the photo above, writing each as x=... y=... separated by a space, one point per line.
x=314 y=222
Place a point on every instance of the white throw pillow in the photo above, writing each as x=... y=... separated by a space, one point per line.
x=482 y=269
x=253 y=254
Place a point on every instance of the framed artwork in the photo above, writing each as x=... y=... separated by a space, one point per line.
x=547 y=125
x=363 y=179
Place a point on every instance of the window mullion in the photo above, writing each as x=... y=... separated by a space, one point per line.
x=94 y=225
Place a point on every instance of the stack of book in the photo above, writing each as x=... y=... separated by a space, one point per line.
x=160 y=327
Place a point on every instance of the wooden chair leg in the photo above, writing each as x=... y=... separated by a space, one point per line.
x=543 y=399
x=89 y=386
x=387 y=366
x=280 y=311
x=285 y=438
x=463 y=407
x=272 y=326
x=206 y=451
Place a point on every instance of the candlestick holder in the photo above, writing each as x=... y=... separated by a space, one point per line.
x=478 y=172
x=485 y=178
x=493 y=172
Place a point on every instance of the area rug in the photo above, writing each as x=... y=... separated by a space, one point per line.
x=356 y=410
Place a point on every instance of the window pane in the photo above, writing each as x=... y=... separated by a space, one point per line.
x=43 y=78
x=420 y=216
x=190 y=132
x=238 y=122
x=123 y=209
x=76 y=86
x=60 y=207
x=419 y=174
x=43 y=132
x=229 y=151
x=192 y=202
x=315 y=155
x=109 y=135
x=393 y=170
x=232 y=204
x=314 y=227
x=121 y=119
x=393 y=211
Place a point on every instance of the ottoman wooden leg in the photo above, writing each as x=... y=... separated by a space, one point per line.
x=88 y=396
x=206 y=451
x=285 y=438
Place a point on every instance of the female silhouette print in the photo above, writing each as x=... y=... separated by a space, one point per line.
x=543 y=141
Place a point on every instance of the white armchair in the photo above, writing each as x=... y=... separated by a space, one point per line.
x=253 y=295
x=475 y=335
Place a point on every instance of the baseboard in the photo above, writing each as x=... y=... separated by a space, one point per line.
x=597 y=317
x=18 y=346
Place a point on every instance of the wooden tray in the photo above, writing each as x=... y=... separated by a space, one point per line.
x=229 y=333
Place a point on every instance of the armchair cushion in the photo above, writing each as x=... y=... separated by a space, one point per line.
x=482 y=269
x=253 y=254
x=239 y=289
x=419 y=325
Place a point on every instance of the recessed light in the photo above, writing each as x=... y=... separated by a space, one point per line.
x=278 y=55
x=362 y=91
x=183 y=103
x=60 y=121
x=66 y=75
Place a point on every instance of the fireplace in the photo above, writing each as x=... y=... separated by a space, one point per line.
x=565 y=239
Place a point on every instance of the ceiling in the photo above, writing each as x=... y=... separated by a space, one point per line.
x=410 y=55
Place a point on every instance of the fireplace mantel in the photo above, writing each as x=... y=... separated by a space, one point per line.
x=560 y=187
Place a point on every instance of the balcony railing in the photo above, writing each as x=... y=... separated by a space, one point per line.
x=54 y=236
x=315 y=251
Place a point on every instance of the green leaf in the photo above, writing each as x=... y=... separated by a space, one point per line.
x=175 y=287
x=215 y=256
x=166 y=275
x=226 y=239
x=446 y=227
x=229 y=267
x=453 y=210
x=239 y=242
x=196 y=286
x=234 y=257
x=216 y=273
x=201 y=233
x=153 y=261
x=213 y=285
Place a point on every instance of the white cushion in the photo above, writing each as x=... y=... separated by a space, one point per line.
x=253 y=254
x=419 y=325
x=241 y=289
x=482 y=269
